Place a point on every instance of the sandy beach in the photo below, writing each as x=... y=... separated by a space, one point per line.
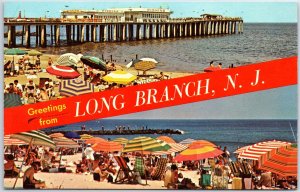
x=44 y=64
x=85 y=180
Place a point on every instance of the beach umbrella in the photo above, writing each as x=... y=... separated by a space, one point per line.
x=282 y=161
x=175 y=148
x=95 y=140
x=201 y=143
x=119 y=77
x=121 y=140
x=65 y=142
x=166 y=139
x=68 y=59
x=55 y=135
x=10 y=141
x=132 y=63
x=34 y=53
x=63 y=71
x=107 y=146
x=187 y=141
x=12 y=100
x=145 y=144
x=144 y=65
x=198 y=153
x=14 y=51
x=72 y=135
x=73 y=87
x=34 y=138
x=94 y=62
x=256 y=151
x=86 y=136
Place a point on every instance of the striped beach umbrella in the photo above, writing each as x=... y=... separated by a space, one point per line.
x=85 y=136
x=145 y=144
x=75 y=87
x=166 y=139
x=62 y=71
x=107 y=146
x=187 y=141
x=201 y=143
x=55 y=135
x=10 y=141
x=175 y=148
x=121 y=140
x=12 y=100
x=95 y=140
x=144 y=65
x=65 y=142
x=94 y=62
x=72 y=135
x=198 y=153
x=68 y=59
x=35 y=138
x=256 y=151
x=119 y=77
x=282 y=161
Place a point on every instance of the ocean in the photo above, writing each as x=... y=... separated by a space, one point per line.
x=259 y=42
x=230 y=133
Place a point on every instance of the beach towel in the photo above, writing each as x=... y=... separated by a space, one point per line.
x=139 y=166
x=160 y=169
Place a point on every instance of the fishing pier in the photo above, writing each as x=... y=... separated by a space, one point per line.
x=63 y=31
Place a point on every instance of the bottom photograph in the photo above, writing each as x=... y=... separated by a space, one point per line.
x=155 y=154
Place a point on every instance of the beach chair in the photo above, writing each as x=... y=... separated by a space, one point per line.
x=139 y=166
x=160 y=169
x=127 y=173
x=234 y=169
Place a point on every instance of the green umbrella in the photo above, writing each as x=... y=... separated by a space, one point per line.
x=145 y=144
x=14 y=51
x=12 y=100
x=34 y=53
x=94 y=62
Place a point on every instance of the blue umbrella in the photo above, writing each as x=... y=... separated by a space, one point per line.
x=72 y=135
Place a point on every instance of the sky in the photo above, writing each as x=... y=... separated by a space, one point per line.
x=279 y=103
x=254 y=12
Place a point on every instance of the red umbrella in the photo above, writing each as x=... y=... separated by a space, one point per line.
x=107 y=146
x=282 y=161
x=95 y=140
x=63 y=71
x=193 y=154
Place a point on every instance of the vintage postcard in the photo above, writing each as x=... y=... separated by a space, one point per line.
x=150 y=95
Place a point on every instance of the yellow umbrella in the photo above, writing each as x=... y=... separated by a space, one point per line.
x=85 y=136
x=119 y=77
x=121 y=140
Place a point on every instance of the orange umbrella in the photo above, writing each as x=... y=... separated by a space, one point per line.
x=55 y=135
x=201 y=143
x=95 y=140
x=107 y=146
x=282 y=161
x=198 y=153
x=166 y=139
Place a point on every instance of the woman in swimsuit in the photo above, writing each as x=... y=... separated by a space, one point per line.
x=29 y=182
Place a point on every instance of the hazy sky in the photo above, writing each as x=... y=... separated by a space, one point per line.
x=250 y=11
x=279 y=103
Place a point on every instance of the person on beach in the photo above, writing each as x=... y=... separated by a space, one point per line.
x=96 y=79
x=10 y=168
x=220 y=65
x=50 y=61
x=89 y=154
x=38 y=63
x=211 y=64
x=43 y=96
x=29 y=182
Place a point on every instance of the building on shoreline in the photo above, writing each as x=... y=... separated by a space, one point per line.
x=119 y=15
